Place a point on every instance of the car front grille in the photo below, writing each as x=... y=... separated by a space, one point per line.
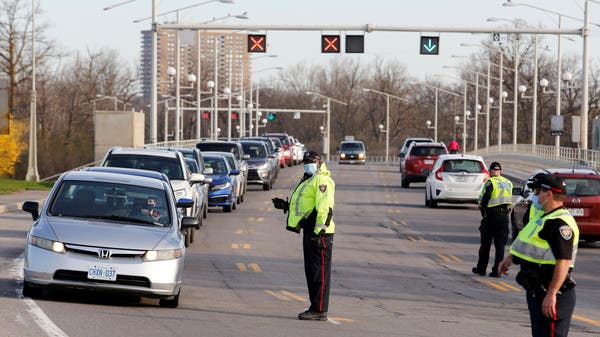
x=253 y=174
x=81 y=276
x=218 y=200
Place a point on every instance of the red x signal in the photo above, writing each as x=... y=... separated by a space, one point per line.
x=257 y=43
x=330 y=43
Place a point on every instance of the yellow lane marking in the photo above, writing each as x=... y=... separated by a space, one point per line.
x=587 y=320
x=443 y=257
x=294 y=296
x=239 y=231
x=277 y=295
x=340 y=319
x=497 y=286
x=390 y=211
x=388 y=196
x=403 y=223
x=267 y=202
x=235 y=246
x=251 y=219
x=262 y=209
x=509 y=286
x=410 y=238
x=241 y=267
x=247 y=246
x=394 y=223
x=255 y=267
x=269 y=210
x=422 y=239
x=260 y=219
x=397 y=211
x=455 y=258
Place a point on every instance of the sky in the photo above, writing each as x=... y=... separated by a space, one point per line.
x=82 y=24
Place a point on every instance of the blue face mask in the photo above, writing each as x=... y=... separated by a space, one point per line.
x=536 y=202
x=310 y=168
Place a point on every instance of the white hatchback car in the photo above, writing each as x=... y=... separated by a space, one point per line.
x=455 y=178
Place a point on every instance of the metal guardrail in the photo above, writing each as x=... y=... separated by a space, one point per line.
x=590 y=158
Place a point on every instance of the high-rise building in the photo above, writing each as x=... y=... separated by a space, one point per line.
x=222 y=46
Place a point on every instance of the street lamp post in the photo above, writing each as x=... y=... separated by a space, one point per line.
x=32 y=167
x=329 y=100
x=250 y=105
x=387 y=118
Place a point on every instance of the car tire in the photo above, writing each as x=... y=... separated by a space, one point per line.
x=266 y=186
x=405 y=183
x=187 y=235
x=170 y=303
x=227 y=209
x=192 y=234
x=426 y=198
x=234 y=205
x=31 y=291
x=205 y=212
x=433 y=203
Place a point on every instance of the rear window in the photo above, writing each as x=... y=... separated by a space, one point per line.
x=219 y=147
x=169 y=166
x=468 y=166
x=282 y=138
x=352 y=146
x=217 y=164
x=581 y=187
x=427 y=151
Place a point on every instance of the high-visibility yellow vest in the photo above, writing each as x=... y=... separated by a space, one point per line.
x=534 y=212
x=530 y=247
x=501 y=193
x=315 y=193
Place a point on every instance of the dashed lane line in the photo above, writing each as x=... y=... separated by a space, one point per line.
x=255 y=267
x=509 y=286
x=455 y=258
x=495 y=285
x=586 y=320
x=297 y=298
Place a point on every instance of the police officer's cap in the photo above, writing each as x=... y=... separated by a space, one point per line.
x=311 y=157
x=548 y=182
x=495 y=166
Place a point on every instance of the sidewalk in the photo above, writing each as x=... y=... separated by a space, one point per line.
x=14 y=201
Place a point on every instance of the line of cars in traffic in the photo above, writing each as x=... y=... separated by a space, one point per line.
x=123 y=226
x=458 y=178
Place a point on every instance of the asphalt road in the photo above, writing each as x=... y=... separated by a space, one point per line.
x=399 y=269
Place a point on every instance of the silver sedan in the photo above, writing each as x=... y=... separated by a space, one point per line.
x=108 y=231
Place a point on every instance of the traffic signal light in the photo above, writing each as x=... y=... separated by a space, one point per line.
x=355 y=43
x=271 y=116
x=257 y=43
x=430 y=45
x=330 y=44
x=234 y=115
x=205 y=115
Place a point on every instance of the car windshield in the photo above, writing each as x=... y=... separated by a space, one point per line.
x=463 y=165
x=220 y=147
x=167 y=165
x=427 y=151
x=254 y=150
x=352 y=146
x=217 y=164
x=581 y=187
x=282 y=138
x=111 y=201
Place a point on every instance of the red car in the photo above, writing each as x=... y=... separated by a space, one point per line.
x=280 y=151
x=582 y=200
x=285 y=145
x=419 y=161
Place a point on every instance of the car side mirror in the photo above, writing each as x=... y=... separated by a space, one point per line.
x=208 y=170
x=185 y=203
x=207 y=180
x=33 y=208
x=196 y=178
x=517 y=191
x=189 y=222
x=234 y=172
x=272 y=156
x=246 y=156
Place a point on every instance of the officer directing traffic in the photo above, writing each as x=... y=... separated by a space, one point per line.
x=546 y=249
x=311 y=209
x=495 y=200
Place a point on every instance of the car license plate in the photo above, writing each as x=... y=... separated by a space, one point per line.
x=106 y=273
x=428 y=161
x=576 y=211
x=461 y=179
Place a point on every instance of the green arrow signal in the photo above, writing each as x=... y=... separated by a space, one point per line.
x=429 y=46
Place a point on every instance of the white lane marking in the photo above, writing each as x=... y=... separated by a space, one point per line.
x=39 y=317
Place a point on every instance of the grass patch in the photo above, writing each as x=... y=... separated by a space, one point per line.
x=12 y=185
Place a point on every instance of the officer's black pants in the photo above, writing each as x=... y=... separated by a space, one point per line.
x=493 y=229
x=317 y=267
x=542 y=326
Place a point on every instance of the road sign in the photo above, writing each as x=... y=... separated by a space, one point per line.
x=496 y=37
x=296 y=115
x=355 y=43
x=257 y=43
x=330 y=43
x=430 y=45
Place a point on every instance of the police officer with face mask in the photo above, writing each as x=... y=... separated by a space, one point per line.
x=311 y=209
x=546 y=249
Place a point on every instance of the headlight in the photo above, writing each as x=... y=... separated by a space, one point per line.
x=221 y=186
x=361 y=156
x=55 y=246
x=342 y=155
x=159 y=255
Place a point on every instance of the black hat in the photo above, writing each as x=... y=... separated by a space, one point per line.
x=495 y=166
x=311 y=157
x=549 y=182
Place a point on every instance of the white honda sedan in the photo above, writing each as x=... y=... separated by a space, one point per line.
x=456 y=179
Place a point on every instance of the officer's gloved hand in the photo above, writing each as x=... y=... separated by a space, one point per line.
x=281 y=204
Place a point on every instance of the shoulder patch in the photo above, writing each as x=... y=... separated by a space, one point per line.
x=322 y=188
x=566 y=232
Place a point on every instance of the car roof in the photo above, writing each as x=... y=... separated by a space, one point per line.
x=460 y=156
x=429 y=144
x=129 y=171
x=144 y=152
x=568 y=171
x=351 y=141
x=92 y=175
x=221 y=153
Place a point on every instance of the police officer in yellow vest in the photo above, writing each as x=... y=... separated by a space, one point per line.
x=495 y=200
x=534 y=210
x=546 y=249
x=311 y=209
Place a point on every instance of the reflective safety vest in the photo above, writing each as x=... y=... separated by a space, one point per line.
x=534 y=212
x=530 y=247
x=313 y=194
x=501 y=192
